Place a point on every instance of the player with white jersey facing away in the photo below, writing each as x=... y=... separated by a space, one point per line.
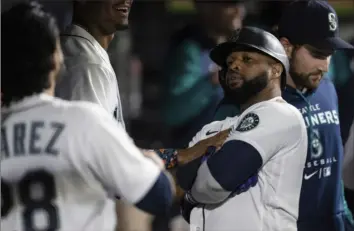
x=61 y=161
x=268 y=139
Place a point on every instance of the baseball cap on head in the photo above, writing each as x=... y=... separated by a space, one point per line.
x=255 y=39
x=312 y=22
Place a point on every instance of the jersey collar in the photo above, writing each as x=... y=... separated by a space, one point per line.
x=28 y=102
x=79 y=31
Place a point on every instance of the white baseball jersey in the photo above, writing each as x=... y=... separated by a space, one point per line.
x=89 y=74
x=348 y=166
x=61 y=162
x=278 y=132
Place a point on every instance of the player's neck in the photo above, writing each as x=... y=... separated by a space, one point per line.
x=264 y=95
x=93 y=29
x=52 y=79
x=291 y=83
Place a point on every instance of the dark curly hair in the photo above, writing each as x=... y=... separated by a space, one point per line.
x=28 y=42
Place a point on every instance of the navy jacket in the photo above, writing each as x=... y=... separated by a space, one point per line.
x=321 y=199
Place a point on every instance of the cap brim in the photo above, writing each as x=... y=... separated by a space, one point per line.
x=220 y=53
x=334 y=43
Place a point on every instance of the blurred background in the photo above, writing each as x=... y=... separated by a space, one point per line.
x=149 y=65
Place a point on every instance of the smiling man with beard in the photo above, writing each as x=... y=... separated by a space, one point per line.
x=267 y=139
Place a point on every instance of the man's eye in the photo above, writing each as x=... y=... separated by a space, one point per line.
x=319 y=55
x=247 y=59
x=230 y=62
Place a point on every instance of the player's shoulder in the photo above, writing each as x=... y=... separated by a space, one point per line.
x=212 y=129
x=278 y=110
x=219 y=125
x=87 y=111
x=80 y=51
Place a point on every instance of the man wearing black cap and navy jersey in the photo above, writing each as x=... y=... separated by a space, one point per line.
x=309 y=33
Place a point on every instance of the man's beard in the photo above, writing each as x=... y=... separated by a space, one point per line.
x=301 y=80
x=122 y=27
x=249 y=88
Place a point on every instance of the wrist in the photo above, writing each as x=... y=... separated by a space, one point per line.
x=188 y=197
x=169 y=157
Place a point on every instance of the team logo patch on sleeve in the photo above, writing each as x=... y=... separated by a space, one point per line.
x=248 y=122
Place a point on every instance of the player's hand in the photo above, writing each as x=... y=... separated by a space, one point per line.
x=151 y=154
x=201 y=147
x=217 y=141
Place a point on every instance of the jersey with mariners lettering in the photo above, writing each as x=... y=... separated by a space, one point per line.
x=61 y=162
x=321 y=200
x=277 y=133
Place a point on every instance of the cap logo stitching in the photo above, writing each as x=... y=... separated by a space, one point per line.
x=332 y=22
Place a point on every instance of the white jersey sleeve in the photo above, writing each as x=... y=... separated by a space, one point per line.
x=212 y=129
x=113 y=158
x=269 y=128
x=201 y=134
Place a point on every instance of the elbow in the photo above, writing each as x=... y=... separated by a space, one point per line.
x=159 y=199
x=207 y=192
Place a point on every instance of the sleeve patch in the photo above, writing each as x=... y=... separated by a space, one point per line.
x=250 y=121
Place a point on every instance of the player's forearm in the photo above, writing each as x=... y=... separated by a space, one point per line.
x=225 y=171
x=174 y=157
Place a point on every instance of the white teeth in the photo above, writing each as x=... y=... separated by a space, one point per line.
x=121 y=8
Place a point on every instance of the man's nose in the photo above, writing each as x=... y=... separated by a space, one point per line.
x=324 y=64
x=235 y=65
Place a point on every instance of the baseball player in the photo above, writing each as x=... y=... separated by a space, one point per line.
x=268 y=138
x=308 y=31
x=309 y=41
x=62 y=161
x=89 y=74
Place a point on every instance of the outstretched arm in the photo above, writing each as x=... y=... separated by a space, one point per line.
x=179 y=157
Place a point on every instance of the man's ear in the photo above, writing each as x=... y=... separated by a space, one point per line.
x=287 y=46
x=277 y=69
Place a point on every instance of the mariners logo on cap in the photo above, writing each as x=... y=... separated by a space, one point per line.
x=248 y=122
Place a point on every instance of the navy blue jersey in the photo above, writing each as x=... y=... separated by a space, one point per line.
x=321 y=200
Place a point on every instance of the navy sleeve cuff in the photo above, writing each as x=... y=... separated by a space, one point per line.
x=159 y=199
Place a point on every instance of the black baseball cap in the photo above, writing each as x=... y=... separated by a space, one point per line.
x=312 y=22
